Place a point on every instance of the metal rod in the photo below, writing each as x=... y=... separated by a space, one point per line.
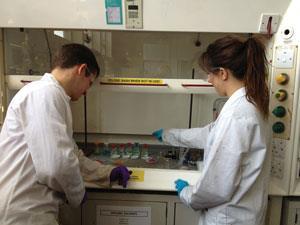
x=85 y=122
x=191 y=102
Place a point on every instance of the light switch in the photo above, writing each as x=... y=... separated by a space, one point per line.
x=284 y=58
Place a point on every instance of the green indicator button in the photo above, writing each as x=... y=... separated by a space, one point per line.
x=278 y=127
x=279 y=111
x=281 y=95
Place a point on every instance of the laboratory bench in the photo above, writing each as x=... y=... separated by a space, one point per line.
x=150 y=197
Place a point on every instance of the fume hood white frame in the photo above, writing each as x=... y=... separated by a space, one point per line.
x=184 y=86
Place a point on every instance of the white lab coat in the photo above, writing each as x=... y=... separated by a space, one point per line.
x=40 y=164
x=233 y=185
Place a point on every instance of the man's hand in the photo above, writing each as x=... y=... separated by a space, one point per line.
x=120 y=174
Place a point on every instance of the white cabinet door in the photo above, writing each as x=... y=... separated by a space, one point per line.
x=69 y=216
x=185 y=215
x=291 y=211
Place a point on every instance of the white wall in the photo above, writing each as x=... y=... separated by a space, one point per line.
x=159 y=15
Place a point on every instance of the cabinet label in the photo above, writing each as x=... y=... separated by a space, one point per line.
x=123 y=215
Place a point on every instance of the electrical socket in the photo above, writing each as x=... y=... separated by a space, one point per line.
x=278 y=147
x=277 y=167
x=263 y=25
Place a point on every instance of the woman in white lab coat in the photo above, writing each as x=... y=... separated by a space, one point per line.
x=40 y=164
x=233 y=185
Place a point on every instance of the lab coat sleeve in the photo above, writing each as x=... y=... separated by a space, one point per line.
x=93 y=171
x=189 y=138
x=51 y=145
x=221 y=174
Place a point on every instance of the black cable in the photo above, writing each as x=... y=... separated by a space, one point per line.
x=48 y=46
x=85 y=122
x=191 y=102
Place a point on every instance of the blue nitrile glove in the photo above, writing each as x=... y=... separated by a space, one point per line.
x=120 y=174
x=158 y=134
x=180 y=184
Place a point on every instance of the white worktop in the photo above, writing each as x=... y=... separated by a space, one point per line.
x=157 y=179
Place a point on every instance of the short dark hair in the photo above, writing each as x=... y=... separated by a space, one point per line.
x=70 y=55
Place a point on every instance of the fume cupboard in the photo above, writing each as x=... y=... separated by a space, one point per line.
x=165 y=87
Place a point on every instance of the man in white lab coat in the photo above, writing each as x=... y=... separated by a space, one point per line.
x=40 y=164
x=232 y=188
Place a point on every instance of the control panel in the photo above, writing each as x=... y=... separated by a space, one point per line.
x=134 y=14
x=282 y=91
x=281 y=105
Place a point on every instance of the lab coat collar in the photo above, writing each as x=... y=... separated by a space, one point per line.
x=50 y=77
x=236 y=95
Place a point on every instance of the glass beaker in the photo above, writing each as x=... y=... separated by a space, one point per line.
x=127 y=151
x=145 y=152
x=135 y=151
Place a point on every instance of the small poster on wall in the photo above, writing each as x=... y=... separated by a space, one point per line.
x=123 y=215
x=113 y=11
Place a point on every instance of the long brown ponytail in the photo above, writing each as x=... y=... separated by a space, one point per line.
x=256 y=76
x=246 y=59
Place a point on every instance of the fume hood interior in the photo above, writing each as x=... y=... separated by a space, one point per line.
x=118 y=119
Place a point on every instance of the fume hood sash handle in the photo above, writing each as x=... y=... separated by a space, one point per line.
x=132 y=84
x=195 y=85
x=25 y=81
